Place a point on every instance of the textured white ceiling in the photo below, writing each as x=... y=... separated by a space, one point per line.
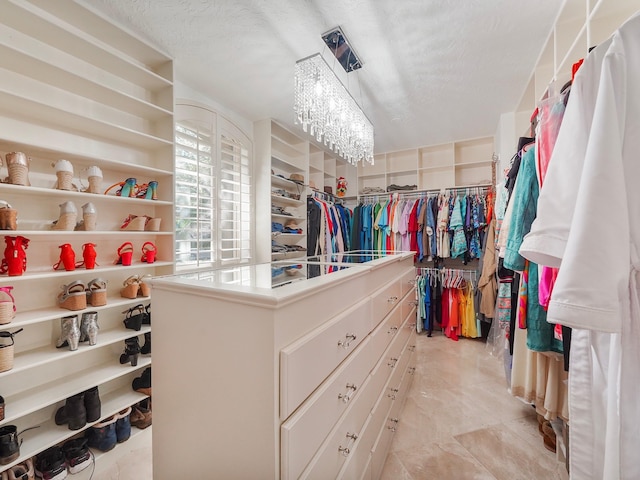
x=433 y=70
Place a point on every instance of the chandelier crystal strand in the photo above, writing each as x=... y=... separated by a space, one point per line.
x=327 y=111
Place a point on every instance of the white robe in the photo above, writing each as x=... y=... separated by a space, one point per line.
x=588 y=224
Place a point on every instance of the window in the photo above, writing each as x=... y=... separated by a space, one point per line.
x=213 y=194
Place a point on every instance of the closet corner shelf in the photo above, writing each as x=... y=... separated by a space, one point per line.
x=476 y=163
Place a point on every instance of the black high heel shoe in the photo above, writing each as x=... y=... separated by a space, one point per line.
x=131 y=351
x=146 y=348
x=135 y=317
x=147 y=318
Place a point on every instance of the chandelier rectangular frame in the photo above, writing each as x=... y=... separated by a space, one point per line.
x=328 y=112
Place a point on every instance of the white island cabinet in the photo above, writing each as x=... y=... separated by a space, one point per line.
x=282 y=370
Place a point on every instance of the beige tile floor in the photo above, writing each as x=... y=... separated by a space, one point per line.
x=458 y=423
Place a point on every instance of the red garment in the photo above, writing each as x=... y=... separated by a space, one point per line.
x=413 y=230
x=453 y=327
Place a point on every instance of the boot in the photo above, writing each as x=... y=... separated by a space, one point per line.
x=142 y=383
x=89 y=328
x=103 y=435
x=141 y=415
x=50 y=464
x=131 y=351
x=123 y=425
x=73 y=412
x=9 y=446
x=8 y=217
x=69 y=332
x=92 y=404
x=76 y=454
x=146 y=348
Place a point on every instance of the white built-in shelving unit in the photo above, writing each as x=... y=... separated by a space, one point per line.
x=75 y=86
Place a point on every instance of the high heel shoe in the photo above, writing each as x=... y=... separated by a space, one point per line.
x=89 y=327
x=149 y=251
x=8 y=216
x=134 y=223
x=67 y=258
x=64 y=173
x=125 y=254
x=130 y=287
x=134 y=317
x=146 y=348
x=18 y=167
x=128 y=188
x=68 y=217
x=94 y=176
x=147 y=317
x=148 y=191
x=7 y=305
x=152 y=224
x=131 y=351
x=15 y=256
x=145 y=288
x=88 y=256
x=97 y=292
x=73 y=296
x=89 y=218
x=69 y=332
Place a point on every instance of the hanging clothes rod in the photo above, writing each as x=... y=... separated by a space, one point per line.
x=472 y=189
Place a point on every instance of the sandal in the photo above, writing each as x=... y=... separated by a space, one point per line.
x=149 y=251
x=147 y=318
x=131 y=287
x=73 y=296
x=88 y=256
x=152 y=224
x=125 y=254
x=8 y=216
x=7 y=305
x=134 y=317
x=128 y=188
x=97 y=292
x=67 y=258
x=145 y=288
x=134 y=223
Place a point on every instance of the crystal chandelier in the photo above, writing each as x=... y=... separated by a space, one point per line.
x=326 y=110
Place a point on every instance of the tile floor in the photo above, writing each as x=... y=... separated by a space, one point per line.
x=459 y=422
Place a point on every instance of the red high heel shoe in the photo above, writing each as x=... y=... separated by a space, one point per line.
x=88 y=256
x=125 y=254
x=149 y=251
x=67 y=258
x=15 y=258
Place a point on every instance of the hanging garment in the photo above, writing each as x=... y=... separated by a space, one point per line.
x=595 y=244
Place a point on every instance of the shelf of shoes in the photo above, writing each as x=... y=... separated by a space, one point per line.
x=79 y=88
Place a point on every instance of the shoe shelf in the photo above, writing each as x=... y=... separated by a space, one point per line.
x=49 y=273
x=84 y=236
x=49 y=353
x=48 y=433
x=30 y=401
x=31 y=317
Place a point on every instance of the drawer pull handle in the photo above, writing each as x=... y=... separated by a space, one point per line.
x=412 y=370
x=345 y=397
x=393 y=362
x=413 y=304
x=346 y=450
x=346 y=343
x=411 y=348
x=394 y=422
x=393 y=330
x=392 y=299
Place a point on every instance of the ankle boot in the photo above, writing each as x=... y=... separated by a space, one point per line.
x=142 y=383
x=103 y=435
x=69 y=332
x=9 y=446
x=73 y=412
x=141 y=415
x=146 y=348
x=89 y=328
x=92 y=404
x=131 y=351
